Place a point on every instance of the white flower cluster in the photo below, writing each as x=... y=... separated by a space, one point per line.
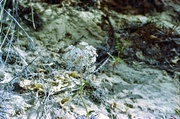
x=80 y=58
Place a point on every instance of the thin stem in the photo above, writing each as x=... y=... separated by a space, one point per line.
x=80 y=95
x=32 y=12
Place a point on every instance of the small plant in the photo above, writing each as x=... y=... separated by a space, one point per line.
x=126 y=109
x=81 y=58
x=120 y=47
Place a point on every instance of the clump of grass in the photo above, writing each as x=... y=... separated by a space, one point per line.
x=11 y=53
x=12 y=32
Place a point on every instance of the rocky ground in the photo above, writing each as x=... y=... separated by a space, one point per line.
x=79 y=60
